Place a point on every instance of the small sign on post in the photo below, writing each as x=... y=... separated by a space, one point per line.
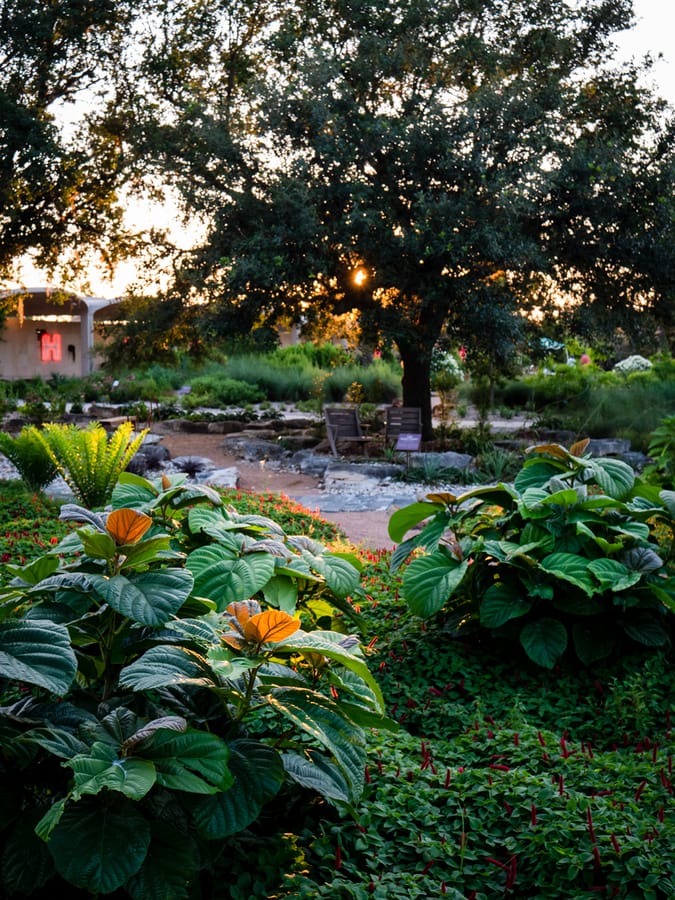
x=409 y=443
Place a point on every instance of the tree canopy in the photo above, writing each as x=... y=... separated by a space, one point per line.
x=472 y=162
x=57 y=197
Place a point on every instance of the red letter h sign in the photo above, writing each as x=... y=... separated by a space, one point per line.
x=50 y=347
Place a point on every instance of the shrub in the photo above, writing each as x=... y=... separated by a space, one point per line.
x=90 y=460
x=211 y=390
x=166 y=651
x=565 y=559
x=30 y=456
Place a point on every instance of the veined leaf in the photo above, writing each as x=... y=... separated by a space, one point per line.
x=429 y=582
x=409 y=516
x=258 y=775
x=611 y=574
x=164 y=666
x=317 y=774
x=570 y=567
x=341 y=576
x=321 y=718
x=171 y=862
x=500 y=603
x=127 y=526
x=544 y=641
x=37 y=652
x=614 y=476
x=226 y=579
x=101 y=767
x=99 y=847
x=150 y=598
x=193 y=761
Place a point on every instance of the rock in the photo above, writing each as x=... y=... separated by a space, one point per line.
x=253 y=449
x=222 y=478
x=608 y=447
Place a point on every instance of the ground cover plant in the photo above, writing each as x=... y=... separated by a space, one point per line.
x=504 y=778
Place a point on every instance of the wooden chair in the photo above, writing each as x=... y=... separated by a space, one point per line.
x=401 y=420
x=343 y=425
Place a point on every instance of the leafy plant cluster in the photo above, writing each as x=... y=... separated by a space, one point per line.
x=566 y=559
x=171 y=668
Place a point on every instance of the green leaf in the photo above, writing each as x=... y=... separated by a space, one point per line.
x=317 y=774
x=429 y=582
x=101 y=767
x=98 y=847
x=570 y=567
x=645 y=629
x=171 y=862
x=338 y=647
x=592 y=641
x=611 y=574
x=258 y=775
x=409 y=516
x=97 y=545
x=500 y=603
x=341 y=576
x=544 y=641
x=614 y=476
x=35 y=571
x=164 y=666
x=226 y=579
x=147 y=551
x=150 y=598
x=193 y=761
x=535 y=473
x=321 y=718
x=37 y=652
x=282 y=593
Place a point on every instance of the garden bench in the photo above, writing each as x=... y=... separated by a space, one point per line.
x=343 y=425
x=401 y=420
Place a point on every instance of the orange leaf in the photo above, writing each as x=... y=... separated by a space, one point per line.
x=445 y=498
x=271 y=626
x=127 y=526
x=579 y=448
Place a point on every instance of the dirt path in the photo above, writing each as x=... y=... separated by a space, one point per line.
x=362 y=528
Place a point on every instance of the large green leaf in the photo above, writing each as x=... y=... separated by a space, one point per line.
x=341 y=576
x=26 y=862
x=614 y=476
x=149 y=598
x=258 y=775
x=321 y=718
x=170 y=864
x=227 y=579
x=645 y=629
x=317 y=774
x=592 y=641
x=37 y=652
x=429 y=582
x=339 y=647
x=101 y=767
x=193 y=761
x=164 y=666
x=36 y=570
x=409 y=516
x=535 y=473
x=97 y=846
x=500 y=603
x=612 y=574
x=544 y=641
x=572 y=568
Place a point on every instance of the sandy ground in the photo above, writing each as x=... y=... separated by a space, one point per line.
x=368 y=529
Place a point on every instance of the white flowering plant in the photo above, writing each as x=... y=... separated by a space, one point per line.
x=635 y=363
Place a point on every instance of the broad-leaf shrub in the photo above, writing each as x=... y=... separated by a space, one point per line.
x=162 y=681
x=565 y=559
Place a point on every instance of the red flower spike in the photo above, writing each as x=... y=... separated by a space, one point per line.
x=641 y=787
x=589 y=817
x=533 y=815
x=338 y=858
x=615 y=843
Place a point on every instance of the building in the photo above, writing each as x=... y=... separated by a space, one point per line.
x=51 y=332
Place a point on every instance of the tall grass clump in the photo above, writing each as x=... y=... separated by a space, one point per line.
x=380 y=381
x=218 y=391
x=276 y=380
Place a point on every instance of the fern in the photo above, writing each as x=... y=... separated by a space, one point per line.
x=89 y=459
x=31 y=457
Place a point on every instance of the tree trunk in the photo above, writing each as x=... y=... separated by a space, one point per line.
x=416 y=382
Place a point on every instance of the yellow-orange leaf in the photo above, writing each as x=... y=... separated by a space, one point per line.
x=445 y=498
x=273 y=625
x=579 y=448
x=127 y=526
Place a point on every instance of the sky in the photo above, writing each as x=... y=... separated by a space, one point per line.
x=650 y=36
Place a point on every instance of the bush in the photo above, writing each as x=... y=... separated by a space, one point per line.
x=214 y=391
x=566 y=560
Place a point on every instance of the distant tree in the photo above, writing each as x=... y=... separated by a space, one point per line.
x=425 y=164
x=56 y=198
